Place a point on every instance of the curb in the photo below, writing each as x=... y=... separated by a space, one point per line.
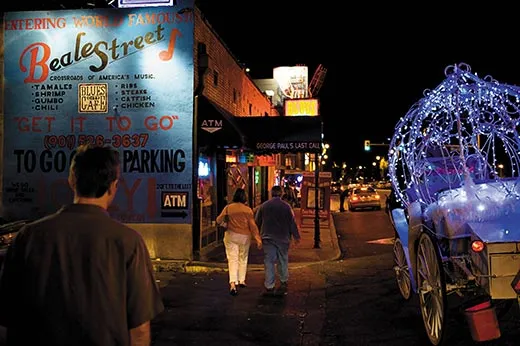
x=169 y=265
x=188 y=266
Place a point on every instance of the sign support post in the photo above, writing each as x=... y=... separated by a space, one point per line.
x=316 y=202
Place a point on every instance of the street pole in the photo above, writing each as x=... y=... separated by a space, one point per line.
x=195 y=221
x=316 y=201
x=196 y=212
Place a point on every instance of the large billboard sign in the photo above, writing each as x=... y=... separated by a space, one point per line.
x=293 y=81
x=117 y=77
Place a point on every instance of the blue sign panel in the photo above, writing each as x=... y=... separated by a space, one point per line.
x=144 y=3
x=117 y=77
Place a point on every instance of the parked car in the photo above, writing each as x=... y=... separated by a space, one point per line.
x=364 y=197
x=383 y=185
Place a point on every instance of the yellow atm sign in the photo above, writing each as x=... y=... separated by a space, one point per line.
x=297 y=107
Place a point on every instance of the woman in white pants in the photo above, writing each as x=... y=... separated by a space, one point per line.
x=237 y=239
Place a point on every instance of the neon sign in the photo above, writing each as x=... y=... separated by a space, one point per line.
x=203 y=168
x=297 y=107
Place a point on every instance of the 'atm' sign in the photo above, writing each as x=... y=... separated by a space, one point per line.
x=174 y=200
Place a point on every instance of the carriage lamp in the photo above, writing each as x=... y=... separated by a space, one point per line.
x=477 y=245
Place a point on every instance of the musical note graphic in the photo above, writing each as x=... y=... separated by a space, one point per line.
x=166 y=55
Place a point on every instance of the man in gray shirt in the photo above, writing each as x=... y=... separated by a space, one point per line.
x=79 y=277
x=275 y=219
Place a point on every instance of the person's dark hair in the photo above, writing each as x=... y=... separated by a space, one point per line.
x=276 y=191
x=239 y=196
x=94 y=169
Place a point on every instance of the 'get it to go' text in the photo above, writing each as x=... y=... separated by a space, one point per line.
x=47 y=124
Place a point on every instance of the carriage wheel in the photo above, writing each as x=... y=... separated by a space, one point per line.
x=402 y=273
x=431 y=288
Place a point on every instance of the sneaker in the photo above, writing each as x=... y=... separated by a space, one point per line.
x=283 y=288
x=233 y=292
x=268 y=292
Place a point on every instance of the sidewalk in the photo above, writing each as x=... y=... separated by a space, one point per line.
x=302 y=254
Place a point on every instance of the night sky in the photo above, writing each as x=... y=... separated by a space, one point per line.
x=379 y=58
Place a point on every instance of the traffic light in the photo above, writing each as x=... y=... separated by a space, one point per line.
x=367 y=145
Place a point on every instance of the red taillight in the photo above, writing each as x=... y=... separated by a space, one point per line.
x=477 y=246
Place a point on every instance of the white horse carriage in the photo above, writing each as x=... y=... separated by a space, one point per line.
x=454 y=164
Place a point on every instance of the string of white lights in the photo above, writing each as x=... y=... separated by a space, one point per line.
x=463 y=131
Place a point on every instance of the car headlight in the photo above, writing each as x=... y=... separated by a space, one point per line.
x=7 y=239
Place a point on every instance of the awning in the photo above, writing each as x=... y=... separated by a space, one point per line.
x=216 y=126
x=281 y=134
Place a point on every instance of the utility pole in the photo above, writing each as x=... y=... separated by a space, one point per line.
x=316 y=201
x=317 y=162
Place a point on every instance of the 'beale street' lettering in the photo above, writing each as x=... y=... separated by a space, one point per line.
x=154 y=161
x=34 y=59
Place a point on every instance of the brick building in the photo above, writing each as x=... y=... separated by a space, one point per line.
x=226 y=91
x=226 y=83
x=223 y=93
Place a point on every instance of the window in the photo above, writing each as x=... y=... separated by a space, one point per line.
x=202 y=56
x=234 y=95
x=202 y=48
x=215 y=78
x=250 y=109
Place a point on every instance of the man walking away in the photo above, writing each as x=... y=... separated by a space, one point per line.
x=275 y=219
x=78 y=277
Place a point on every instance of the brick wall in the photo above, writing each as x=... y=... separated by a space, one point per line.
x=226 y=83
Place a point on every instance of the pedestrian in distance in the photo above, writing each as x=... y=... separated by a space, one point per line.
x=241 y=227
x=275 y=219
x=79 y=277
x=342 y=196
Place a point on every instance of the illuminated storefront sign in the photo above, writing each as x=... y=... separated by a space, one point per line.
x=293 y=81
x=266 y=160
x=308 y=107
x=231 y=159
x=203 y=168
x=99 y=76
